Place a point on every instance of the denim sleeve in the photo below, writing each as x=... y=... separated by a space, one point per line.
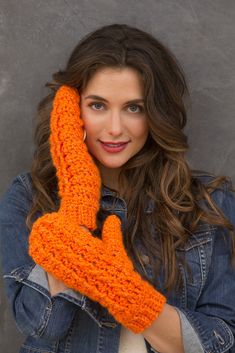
x=38 y=276
x=213 y=319
x=35 y=312
x=191 y=341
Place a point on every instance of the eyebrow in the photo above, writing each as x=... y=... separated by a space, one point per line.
x=137 y=100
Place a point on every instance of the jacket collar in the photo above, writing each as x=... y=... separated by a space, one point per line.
x=105 y=191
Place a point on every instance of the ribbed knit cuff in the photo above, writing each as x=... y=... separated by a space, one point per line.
x=136 y=303
x=80 y=213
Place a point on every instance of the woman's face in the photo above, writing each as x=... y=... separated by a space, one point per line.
x=112 y=117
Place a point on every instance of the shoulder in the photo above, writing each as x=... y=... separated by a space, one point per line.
x=14 y=207
x=224 y=198
x=220 y=194
x=26 y=180
x=204 y=177
x=17 y=197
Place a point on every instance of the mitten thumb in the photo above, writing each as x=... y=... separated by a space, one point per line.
x=112 y=233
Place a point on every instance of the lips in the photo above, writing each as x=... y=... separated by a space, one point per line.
x=114 y=143
x=113 y=148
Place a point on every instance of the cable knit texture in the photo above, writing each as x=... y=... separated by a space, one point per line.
x=97 y=268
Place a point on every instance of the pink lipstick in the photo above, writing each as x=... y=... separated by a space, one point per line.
x=114 y=147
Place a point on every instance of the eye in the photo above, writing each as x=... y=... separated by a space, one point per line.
x=137 y=106
x=98 y=104
x=95 y=104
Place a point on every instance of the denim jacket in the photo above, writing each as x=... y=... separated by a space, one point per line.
x=70 y=322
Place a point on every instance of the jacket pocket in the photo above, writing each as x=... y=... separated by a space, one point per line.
x=197 y=253
x=194 y=263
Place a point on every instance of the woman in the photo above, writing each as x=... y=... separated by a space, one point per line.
x=111 y=243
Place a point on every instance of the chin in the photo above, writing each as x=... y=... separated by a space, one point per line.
x=112 y=164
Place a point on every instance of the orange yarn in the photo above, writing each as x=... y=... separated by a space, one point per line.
x=78 y=176
x=97 y=268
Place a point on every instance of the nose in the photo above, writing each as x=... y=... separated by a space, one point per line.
x=114 y=125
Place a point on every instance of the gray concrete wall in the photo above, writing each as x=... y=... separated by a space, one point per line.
x=36 y=38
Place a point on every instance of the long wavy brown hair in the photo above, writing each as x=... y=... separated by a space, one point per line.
x=159 y=171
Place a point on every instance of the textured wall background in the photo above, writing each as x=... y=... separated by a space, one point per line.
x=36 y=38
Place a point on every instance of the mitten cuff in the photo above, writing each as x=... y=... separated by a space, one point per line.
x=137 y=304
x=79 y=212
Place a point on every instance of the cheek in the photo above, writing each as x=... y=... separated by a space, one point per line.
x=140 y=129
x=91 y=127
x=91 y=124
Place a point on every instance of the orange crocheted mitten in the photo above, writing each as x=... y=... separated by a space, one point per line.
x=97 y=268
x=78 y=176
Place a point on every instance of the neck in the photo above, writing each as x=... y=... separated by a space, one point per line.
x=109 y=176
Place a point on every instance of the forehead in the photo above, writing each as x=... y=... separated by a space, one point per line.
x=123 y=81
